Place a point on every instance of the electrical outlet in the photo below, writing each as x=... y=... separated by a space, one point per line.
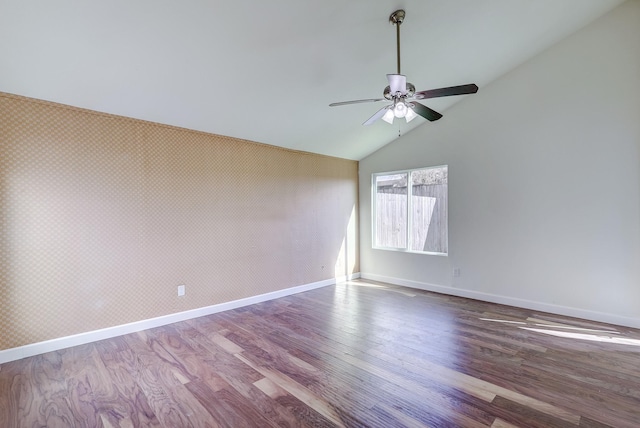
x=456 y=272
x=181 y=290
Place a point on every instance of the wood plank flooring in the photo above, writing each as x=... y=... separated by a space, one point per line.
x=361 y=354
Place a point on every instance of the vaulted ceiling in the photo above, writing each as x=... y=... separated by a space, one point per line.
x=267 y=71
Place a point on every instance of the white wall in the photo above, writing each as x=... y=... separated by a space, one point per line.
x=544 y=182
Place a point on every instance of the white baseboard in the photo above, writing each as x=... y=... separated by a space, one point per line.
x=510 y=301
x=106 y=333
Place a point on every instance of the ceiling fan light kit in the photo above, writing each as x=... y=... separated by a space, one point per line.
x=402 y=92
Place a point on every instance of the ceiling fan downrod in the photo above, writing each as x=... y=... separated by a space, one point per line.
x=396 y=19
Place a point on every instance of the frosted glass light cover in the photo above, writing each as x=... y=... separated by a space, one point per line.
x=400 y=109
x=410 y=114
x=388 y=116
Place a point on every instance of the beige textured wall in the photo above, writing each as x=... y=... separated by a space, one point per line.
x=102 y=217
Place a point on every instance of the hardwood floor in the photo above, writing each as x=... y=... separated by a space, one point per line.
x=358 y=355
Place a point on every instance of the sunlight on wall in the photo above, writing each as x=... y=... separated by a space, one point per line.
x=346 y=260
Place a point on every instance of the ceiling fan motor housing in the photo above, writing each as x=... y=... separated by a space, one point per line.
x=411 y=90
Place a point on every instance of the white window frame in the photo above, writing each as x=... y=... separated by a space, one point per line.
x=409 y=210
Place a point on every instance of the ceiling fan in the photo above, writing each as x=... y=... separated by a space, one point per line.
x=402 y=93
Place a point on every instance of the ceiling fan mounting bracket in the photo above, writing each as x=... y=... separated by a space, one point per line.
x=397 y=17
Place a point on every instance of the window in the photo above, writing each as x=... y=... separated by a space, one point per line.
x=411 y=218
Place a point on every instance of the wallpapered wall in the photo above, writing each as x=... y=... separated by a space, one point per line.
x=102 y=217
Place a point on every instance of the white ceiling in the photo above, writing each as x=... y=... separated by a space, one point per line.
x=267 y=70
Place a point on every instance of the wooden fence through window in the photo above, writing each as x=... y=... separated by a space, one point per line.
x=429 y=212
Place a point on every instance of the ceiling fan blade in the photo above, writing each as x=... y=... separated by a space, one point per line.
x=426 y=112
x=447 y=92
x=397 y=83
x=369 y=100
x=377 y=115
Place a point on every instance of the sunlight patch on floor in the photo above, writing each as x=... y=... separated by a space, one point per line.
x=380 y=287
x=569 y=332
x=586 y=336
